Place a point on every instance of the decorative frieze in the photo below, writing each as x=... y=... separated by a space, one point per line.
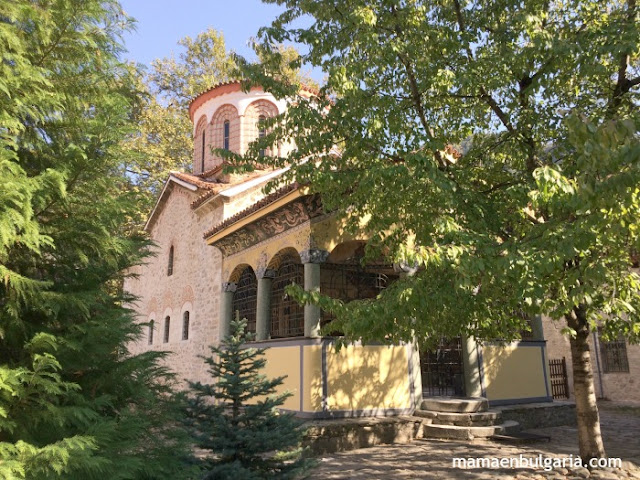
x=285 y=218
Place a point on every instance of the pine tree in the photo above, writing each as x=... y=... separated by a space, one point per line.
x=236 y=420
x=73 y=403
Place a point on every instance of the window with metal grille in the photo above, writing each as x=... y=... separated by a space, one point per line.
x=245 y=298
x=151 y=327
x=226 y=134
x=170 y=264
x=287 y=316
x=167 y=322
x=526 y=334
x=352 y=281
x=614 y=355
x=185 y=326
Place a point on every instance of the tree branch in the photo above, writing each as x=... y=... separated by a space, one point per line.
x=623 y=85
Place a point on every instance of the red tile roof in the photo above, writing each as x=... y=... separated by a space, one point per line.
x=232 y=85
x=195 y=180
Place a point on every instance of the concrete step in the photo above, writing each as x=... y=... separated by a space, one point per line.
x=477 y=419
x=456 y=432
x=455 y=404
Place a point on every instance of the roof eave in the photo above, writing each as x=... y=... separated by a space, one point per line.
x=171 y=178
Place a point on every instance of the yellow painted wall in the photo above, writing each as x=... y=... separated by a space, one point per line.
x=512 y=372
x=312 y=375
x=328 y=233
x=369 y=377
x=285 y=361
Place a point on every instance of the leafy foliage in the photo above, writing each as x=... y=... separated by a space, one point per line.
x=236 y=420
x=494 y=145
x=164 y=137
x=73 y=403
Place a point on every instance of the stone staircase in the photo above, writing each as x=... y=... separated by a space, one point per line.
x=462 y=419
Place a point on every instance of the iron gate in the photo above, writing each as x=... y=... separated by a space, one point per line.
x=442 y=370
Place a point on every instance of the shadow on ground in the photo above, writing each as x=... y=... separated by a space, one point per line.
x=433 y=459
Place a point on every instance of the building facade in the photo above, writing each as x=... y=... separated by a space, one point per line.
x=223 y=248
x=615 y=364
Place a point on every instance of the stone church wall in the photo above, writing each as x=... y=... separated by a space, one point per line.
x=617 y=386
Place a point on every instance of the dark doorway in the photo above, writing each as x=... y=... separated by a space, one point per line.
x=442 y=370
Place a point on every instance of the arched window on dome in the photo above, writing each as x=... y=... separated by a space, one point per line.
x=226 y=134
x=203 y=153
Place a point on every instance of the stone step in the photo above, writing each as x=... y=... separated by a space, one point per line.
x=455 y=405
x=456 y=432
x=477 y=419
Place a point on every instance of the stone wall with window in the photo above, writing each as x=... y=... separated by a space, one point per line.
x=191 y=287
x=616 y=365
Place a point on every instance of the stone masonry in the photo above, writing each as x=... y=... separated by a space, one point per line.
x=620 y=387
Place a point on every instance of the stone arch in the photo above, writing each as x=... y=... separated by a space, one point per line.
x=254 y=112
x=237 y=271
x=187 y=294
x=152 y=306
x=167 y=300
x=200 y=145
x=347 y=252
x=275 y=261
x=224 y=113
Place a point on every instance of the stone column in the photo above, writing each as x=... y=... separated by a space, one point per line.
x=311 y=260
x=226 y=307
x=472 y=381
x=265 y=278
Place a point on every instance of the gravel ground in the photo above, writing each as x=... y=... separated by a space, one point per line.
x=433 y=459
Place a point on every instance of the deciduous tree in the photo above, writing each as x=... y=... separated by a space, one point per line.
x=492 y=144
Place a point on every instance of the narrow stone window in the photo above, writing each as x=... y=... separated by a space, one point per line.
x=151 y=327
x=170 y=265
x=185 y=326
x=226 y=135
x=167 y=322
x=203 y=156
x=262 y=131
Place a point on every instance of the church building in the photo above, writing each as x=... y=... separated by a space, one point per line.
x=223 y=246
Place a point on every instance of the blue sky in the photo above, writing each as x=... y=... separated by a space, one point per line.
x=161 y=23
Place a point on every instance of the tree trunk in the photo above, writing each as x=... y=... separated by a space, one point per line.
x=589 y=436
